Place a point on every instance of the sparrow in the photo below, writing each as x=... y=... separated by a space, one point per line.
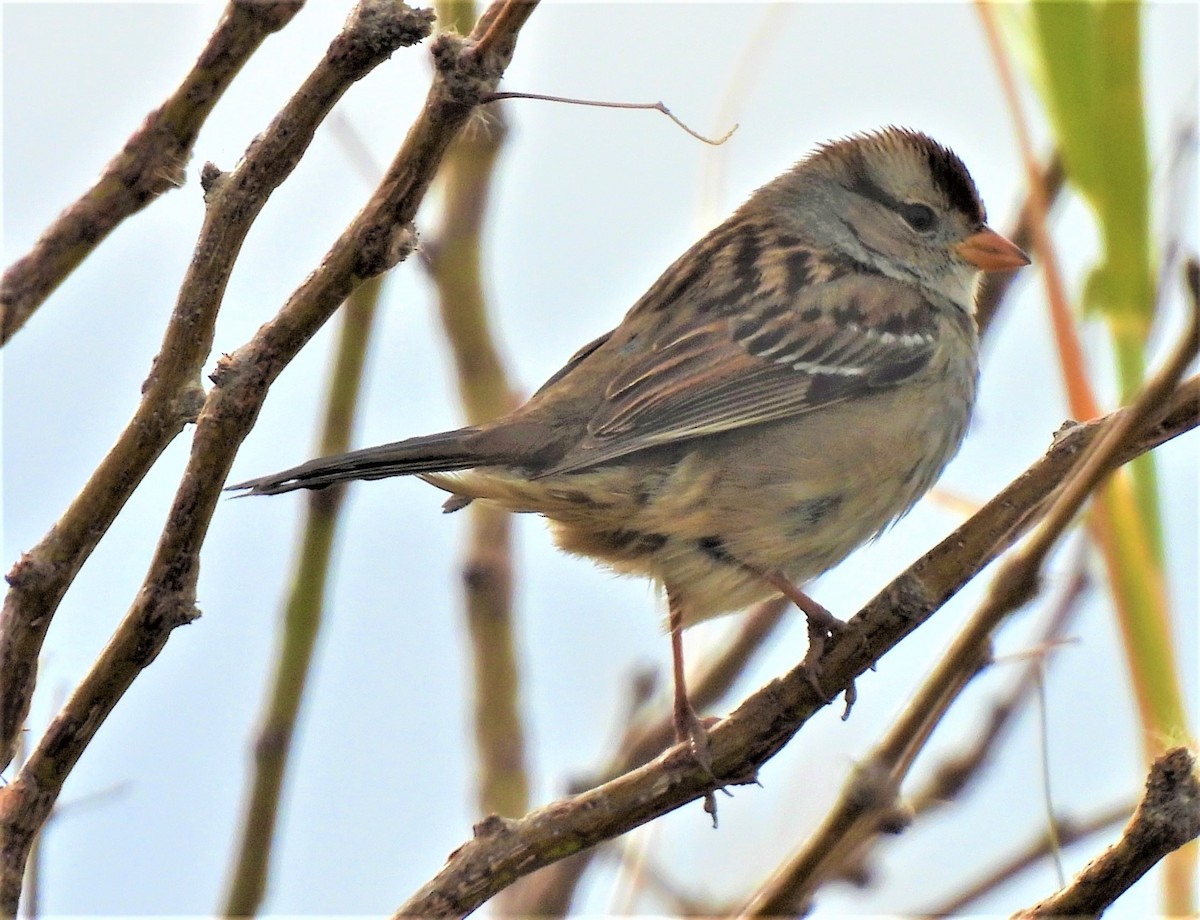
x=788 y=388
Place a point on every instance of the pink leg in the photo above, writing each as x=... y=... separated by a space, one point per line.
x=688 y=726
x=821 y=625
x=817 y=615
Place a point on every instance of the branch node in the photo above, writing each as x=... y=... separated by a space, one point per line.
x=374 y=30
x=383 y=248
x=29 y=569
x=188 y=402
x=895 y=820
x=467 y=76
x=1065 y=430
x=870 y=789
x=212 y=179
x=491 y=827
x=220 y=373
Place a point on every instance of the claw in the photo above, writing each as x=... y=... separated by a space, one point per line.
x=689 y=728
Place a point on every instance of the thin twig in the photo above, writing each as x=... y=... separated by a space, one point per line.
x=1044 y=763
x=651 y=106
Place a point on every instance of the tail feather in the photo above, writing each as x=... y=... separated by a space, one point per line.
x=435 y=453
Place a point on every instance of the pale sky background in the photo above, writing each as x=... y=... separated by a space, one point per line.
x=590 y=205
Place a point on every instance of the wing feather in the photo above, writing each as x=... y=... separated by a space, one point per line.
x=782 y=356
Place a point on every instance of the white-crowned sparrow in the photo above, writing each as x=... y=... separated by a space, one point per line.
x=791 y=385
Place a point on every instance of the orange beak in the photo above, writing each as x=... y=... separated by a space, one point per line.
x=988 y=251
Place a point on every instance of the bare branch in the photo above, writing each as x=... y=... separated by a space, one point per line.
x=503 y=850
x=378 y=237
x=1066 y=831
x=151 y=162
x=172 y=395
x=1167 y=817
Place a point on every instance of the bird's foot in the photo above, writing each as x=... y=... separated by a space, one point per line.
x=820 y=630
x=691 y=729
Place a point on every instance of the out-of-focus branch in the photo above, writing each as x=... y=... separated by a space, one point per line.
x=994 y=286
x=1167 y=817
x=950 y=777
x=302 y=615
x=172 y=395
x=503 y=850
x=867 y=802
x=151 y=162
x=379 y=236
x=454 y=258
x=1066 y=831
x=549 y=891
x=646 y=739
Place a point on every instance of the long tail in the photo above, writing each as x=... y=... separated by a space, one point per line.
x=435 y=453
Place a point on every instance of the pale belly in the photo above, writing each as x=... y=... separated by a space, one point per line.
x=706 y=518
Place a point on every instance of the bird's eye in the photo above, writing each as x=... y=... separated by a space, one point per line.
x=918 y=216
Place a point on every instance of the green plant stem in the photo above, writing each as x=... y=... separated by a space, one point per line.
x=303 y=611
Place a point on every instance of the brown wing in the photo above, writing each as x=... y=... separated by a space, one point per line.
x=781 y=356
x=574 y=361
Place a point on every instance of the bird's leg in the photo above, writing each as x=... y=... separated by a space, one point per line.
x=688 y=726
x=821 y=625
